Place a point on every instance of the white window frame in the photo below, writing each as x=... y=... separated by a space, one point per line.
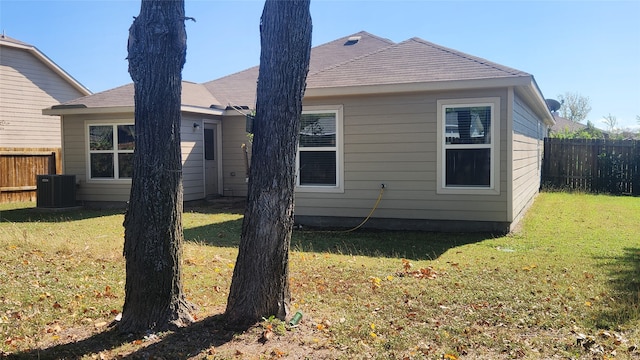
x=114 y=151
x=494 y=146
x=339 y=186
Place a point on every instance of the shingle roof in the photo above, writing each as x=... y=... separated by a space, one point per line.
x=344 y=62
x=564 y=124
x=192 y=95
x=240 y=88
x=120 y=96
x=411 y=61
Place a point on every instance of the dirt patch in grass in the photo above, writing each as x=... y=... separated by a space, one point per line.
x=206 y=338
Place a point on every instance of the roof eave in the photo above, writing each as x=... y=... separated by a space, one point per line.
x=80 y=110
x=417 y=87
x=526 y=85
x=64 y=110
x=202 y=110
x=533 y=97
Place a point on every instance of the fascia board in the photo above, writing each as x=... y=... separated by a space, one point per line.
x=533 y=97
x=201 y=110
x=417 y=87
x=94 y=110
x=123 y=109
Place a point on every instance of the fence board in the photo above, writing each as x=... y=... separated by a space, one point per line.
x=18 y=170
x=597 y=166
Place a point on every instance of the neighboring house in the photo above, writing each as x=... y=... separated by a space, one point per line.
x=29 y=82
x=455 y=139
x=564 y=128
x=564 y=125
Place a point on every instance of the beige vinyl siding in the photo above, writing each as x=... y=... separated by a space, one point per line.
x=192 y=147
x=75 y=159
x=233 y=166
x=528 y=134
x=391 y=139
x=27 y=86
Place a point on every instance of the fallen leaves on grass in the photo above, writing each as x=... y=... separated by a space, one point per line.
x=603 y=344
x=406 y=265
x=530 y=267
x=423 y=273
x=107 y=293
x=376 y=282
x=267 y=334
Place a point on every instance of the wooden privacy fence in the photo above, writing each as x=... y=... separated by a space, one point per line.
x=596 y=166
x=18 y=170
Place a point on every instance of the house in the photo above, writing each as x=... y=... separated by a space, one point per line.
x=564 y=125
x=29 y=82
x=455 y=139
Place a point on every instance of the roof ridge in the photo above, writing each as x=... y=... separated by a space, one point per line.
x=359 y=33
x=479 y=60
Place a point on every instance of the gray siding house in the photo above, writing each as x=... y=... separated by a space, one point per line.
x=455 y=139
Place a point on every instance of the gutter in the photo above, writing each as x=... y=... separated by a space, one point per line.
x=519 y=81
x=80 y=109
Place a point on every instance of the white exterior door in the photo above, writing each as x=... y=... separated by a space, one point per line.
x=212 y=159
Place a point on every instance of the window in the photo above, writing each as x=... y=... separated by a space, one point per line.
x=468 y=146
x=319 y=157
x=209 y=144
x=111 y=151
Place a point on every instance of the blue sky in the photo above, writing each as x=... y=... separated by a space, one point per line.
x=588 y=47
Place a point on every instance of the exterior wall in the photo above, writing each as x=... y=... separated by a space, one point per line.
x=528 y=135
x=392 y=140
x=233 y=163
x=74 y=144
x=388 y=139
x=192 y=144
x=117 y=191
x=28 y=86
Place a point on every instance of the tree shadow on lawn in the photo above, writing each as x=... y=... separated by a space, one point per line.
x=624 y=273
x=34 y=214
x=178 y=344
x=411 y=245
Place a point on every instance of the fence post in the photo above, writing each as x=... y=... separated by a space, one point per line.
x=52 y=163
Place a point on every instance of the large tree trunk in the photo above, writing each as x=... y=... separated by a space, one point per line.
x=153 y=223
x=260 y=284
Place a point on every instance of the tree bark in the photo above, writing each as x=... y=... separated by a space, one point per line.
x=153 y=237
x=260 y=284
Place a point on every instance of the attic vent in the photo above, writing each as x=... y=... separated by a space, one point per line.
x=353 y=40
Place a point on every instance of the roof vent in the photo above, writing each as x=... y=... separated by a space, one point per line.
x=353 y=40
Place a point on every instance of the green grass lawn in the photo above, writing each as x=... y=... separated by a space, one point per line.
x=566 y=285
